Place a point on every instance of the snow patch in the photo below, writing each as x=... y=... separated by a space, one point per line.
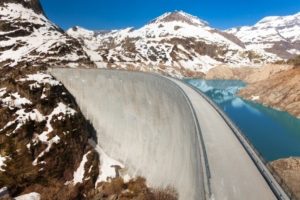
x=61 y=111
x=2 y=162
x=294 y=51
x=22 y=117
x=29 y=196
x=79 y=173
x=13 y=99
x=54 y=140
x=255 y=98
x=40 y=79
x=107 y=165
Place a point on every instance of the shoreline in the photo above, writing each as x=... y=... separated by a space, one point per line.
x=273 y=86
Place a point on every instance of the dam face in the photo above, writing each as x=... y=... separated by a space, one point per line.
x=143 y=121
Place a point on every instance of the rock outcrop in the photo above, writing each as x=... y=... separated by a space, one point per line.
x=280 y=90
x=265 y=72
x=229 y=73
x=289 y=171
x=43 y=137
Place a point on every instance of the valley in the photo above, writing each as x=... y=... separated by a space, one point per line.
x=45 y=135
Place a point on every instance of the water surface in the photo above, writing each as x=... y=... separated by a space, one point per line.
x=275 y=134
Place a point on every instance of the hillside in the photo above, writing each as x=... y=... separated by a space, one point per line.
x=280 y=90
x=28 y=38
x=43 y=136
x=278 y=35
x=175 y=43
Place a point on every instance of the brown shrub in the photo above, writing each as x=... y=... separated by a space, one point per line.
x=114 y=187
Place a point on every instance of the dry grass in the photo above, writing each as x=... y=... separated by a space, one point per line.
x=135 y=189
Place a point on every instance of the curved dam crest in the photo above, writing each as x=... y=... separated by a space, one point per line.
x=171 y=134
x=145 y=122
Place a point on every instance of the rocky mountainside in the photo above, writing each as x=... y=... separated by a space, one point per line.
x=27 y=37
x=46 y=144
x=289 y=170
x=43 y=137
x=175 y=43
x=279 y=88
x=279 y=35
x=46 y=148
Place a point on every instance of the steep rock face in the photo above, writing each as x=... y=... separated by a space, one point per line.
x=278 y=35
x=229 y=73
x=280 y=90
x=266 y=72
x=289 y=171
x=27 y=37
x=43 y=137
x=175 y=43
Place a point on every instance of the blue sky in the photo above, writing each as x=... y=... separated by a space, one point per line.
x=113 y=14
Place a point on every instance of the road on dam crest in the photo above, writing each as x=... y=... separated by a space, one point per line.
x=165 y=131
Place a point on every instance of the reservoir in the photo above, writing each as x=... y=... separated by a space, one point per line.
x=275 y=134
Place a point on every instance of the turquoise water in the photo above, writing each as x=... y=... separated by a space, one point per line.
x=273 y=133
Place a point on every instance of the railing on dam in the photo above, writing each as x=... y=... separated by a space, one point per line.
x=145 y=121
x=271 y=177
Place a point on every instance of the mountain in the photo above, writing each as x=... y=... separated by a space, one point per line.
x=279 y=35
x=27 y=37
x=175 y=43
x=43 y=137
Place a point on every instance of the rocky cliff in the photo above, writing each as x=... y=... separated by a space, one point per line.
x=280 y=90
x=43 y=137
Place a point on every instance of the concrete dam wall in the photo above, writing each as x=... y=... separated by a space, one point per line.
x=145 y=122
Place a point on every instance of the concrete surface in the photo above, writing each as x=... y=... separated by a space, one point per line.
x=145 y=122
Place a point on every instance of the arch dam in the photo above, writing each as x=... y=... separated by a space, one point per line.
x=171 y=134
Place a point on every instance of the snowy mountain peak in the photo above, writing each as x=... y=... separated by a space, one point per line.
x=280 y=21
x=79 y=31
x=278 y=35
x=180 y=16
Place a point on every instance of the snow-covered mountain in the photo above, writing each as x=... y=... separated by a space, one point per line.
x=279 y=35
x=175 y=43
x=28 y=37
